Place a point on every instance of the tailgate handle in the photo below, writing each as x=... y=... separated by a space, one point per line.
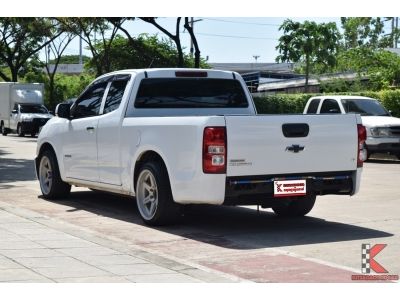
x=295 y=130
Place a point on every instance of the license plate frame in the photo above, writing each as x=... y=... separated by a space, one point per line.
x=290 y=188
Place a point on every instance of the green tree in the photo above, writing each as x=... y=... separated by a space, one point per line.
x=55 y=49
x=365 y=32
x=149 y=51
x=21 y=39
x=94 y=31
x=70 y=59
x=308 y=43
x=175 y=37
x=381 y=67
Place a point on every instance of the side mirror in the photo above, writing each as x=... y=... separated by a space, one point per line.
x=14 y=111
x=63 y=111
x=390 y=113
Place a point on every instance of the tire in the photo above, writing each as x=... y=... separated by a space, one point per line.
x=51 y=185
x=19 y=131
x=298 y=207
x=153 y=195
x=3 y=130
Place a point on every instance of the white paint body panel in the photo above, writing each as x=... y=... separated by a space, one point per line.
x=331 y=144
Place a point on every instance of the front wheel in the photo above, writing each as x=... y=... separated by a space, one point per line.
x=19 y=131
x=298 y=207
x=3 y=130
x=49 y=177
x=153 y=195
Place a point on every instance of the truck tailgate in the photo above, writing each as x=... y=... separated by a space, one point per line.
x=257 y=145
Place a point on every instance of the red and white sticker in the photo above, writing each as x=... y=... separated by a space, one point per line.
x=285 y=188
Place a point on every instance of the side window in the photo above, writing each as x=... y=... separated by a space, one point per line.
x=114 y=95
x=88 y=104
x=330 y=106
x=313 y=106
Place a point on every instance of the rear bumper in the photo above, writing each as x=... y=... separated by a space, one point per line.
x=259 y=190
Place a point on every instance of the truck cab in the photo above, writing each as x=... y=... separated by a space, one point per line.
x=28 y=118
x=383 y=130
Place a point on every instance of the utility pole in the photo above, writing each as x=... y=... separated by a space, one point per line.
x=393 y=34
x=192 y=21
x=80 y=50
x=397 y=33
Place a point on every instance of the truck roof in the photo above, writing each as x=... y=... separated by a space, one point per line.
x=339 y=97
x=169 y=71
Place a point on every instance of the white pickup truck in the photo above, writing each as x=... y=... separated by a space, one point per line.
x=172 y=137
x=383 y=130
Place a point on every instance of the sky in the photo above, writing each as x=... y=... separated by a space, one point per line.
x=224 y=39
x=233 y=31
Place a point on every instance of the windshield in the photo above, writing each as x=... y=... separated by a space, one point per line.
x=364 y=107
x=190 y=92
x=33 y=109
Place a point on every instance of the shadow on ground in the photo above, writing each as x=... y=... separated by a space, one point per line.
x=383 y=161
x=228 y=227
x=14 y=169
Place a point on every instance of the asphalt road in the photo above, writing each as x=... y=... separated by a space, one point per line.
x=325 y=246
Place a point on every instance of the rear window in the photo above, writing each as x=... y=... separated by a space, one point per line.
x=190 y=93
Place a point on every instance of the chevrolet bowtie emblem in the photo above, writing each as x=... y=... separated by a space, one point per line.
x=295 y=148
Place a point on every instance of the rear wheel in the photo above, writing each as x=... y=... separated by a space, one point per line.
x=3 y=130
x=19 y=130
x=153 y=195
x=49 y=177
x=298 y=207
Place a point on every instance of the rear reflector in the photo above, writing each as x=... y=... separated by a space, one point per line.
x=190 y=74
x=362 y=136
x=214 y=150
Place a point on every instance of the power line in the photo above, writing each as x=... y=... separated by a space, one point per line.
x=240 y=22
x=235 y=36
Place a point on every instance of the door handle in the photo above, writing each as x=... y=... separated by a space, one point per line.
x=89 y=128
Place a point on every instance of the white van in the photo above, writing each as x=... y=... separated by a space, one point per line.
x=21 y=108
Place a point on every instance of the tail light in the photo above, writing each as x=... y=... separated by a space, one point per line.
x=362 y=136
x=214 y=150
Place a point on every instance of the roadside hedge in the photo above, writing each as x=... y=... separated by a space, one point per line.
x=295 y=103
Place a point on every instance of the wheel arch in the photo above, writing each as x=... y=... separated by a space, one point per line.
x=146 y=156
x=43 y=147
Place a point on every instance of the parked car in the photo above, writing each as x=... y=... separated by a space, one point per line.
x=21 y=108
x=173 y=137
x=383 y=130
